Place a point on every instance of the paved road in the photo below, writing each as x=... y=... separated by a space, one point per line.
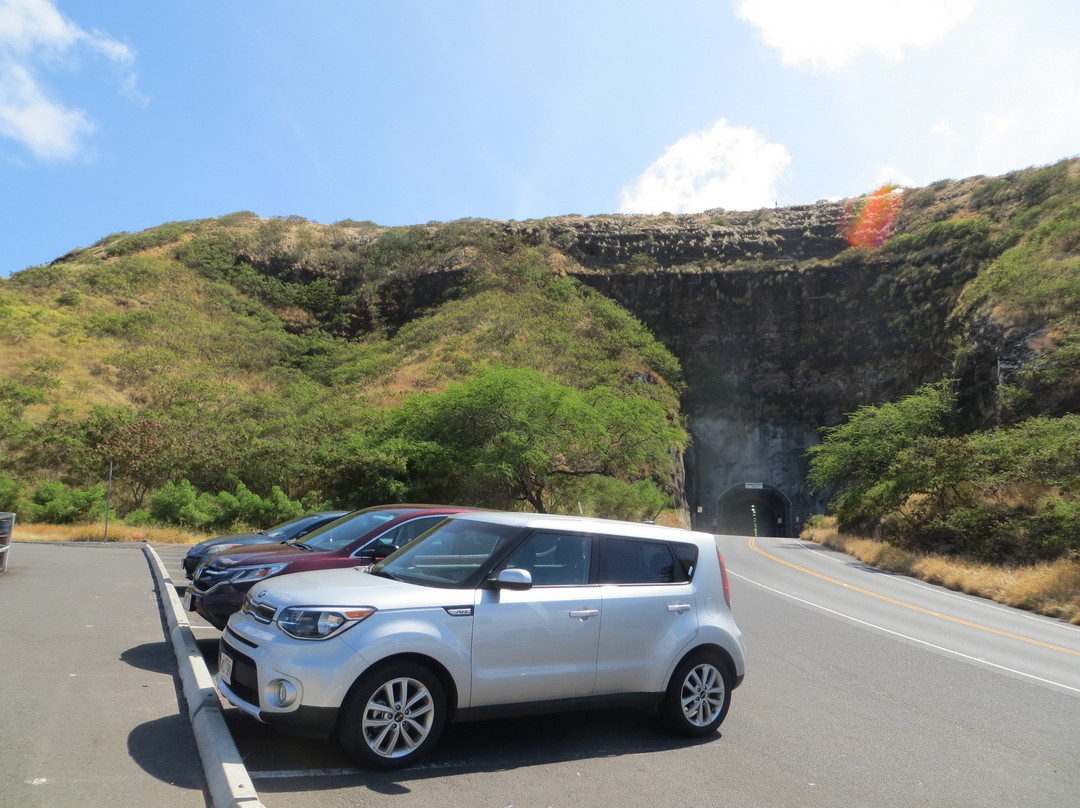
x=873 y=689
x=89 y=710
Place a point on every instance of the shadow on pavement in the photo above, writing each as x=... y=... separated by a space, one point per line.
x=165 y=749
x=475 y=747
x=156 y=657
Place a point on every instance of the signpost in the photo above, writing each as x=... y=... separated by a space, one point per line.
x=7 y=526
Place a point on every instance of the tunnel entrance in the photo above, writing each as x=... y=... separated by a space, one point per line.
x=754 y=509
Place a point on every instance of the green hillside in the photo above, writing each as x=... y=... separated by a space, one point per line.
x=171 y=354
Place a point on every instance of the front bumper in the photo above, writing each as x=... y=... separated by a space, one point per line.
x=320 y=680
x=191 y=563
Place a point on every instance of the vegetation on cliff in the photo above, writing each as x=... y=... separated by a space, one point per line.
x=987 y=462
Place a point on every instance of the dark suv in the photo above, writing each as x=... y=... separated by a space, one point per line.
x=293 y=529
x=359 y=539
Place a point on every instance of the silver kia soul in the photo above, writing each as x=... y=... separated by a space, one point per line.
x=489 y=614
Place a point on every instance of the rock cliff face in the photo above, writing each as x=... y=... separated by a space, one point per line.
x=784 y=234
x=774 y=344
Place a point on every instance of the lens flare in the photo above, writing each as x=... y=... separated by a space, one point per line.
x=869 y=220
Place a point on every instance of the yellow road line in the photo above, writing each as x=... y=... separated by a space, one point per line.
x=852 y=587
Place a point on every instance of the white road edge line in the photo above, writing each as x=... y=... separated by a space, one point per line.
x=907 y=636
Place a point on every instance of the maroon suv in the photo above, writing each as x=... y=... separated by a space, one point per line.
x=360 y=539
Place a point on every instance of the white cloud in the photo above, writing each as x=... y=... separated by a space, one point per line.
x=828 y=34
x=726 y=167
x=943 y=128
x=50 y=131
x=32 y=33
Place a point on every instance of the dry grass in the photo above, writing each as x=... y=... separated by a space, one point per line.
x=1052 y=589
x=96 y=532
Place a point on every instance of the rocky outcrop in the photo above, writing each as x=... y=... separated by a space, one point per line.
x=781 y=234
x=772 y=351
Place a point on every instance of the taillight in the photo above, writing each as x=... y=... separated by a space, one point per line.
x=723 y=574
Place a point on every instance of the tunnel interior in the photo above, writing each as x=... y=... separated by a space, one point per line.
x=754 y=509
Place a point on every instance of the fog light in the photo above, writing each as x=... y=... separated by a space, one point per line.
x=281 y=693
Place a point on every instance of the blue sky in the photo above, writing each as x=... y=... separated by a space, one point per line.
x=118 y=116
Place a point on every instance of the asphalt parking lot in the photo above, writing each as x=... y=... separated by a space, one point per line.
x=99 y=709
x=91 y=712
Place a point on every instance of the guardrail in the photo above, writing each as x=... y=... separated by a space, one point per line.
x=7 y=525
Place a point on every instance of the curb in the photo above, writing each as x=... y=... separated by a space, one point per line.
x=226 y=776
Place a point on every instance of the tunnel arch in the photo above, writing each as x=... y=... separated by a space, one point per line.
x=754 y=509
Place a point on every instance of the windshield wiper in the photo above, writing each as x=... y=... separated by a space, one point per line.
x=385 y=574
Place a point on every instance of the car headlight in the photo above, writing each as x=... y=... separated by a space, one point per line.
x=315 y=623
x=256 y=573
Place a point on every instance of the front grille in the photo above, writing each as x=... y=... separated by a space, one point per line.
x=263 y=612
x=207 y=578
x=236 y=638
x=245 y=675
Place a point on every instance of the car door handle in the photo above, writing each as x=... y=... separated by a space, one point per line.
x=679 y=608
x=583 y=613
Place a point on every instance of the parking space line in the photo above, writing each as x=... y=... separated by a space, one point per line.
x=287 y=773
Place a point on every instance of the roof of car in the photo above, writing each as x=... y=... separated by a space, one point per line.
x=613 y=527
x=403 y=506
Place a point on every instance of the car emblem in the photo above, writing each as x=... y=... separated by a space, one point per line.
x=260 y=593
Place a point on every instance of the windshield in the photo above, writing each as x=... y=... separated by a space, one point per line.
x=347 y=529
x=286 y=529
x=452 y=554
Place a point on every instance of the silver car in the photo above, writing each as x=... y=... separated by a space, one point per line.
x=489 y=614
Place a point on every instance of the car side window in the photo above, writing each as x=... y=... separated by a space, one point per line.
x=554 y=559
x=632 y=561
x=400 y=535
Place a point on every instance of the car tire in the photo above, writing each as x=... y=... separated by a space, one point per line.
x=698 y=696
x=393 y=716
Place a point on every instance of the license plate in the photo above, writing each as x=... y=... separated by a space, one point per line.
x=189 y=604
x=225 y=664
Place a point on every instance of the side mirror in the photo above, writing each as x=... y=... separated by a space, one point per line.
x=514 y=579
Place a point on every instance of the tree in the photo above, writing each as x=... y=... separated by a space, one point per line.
x=856 y=458
x=142 y=452
x=511 y=436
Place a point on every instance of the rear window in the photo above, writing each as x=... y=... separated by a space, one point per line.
x=635 y=561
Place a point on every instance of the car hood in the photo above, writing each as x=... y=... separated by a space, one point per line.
x=354 y=587
x=244 y=537
x=258 y=554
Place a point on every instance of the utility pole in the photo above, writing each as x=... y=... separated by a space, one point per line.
x=108 y=497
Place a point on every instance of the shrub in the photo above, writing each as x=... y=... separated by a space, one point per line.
x=180 y=504
x=139 y=518
x=58 y=504
x=175 y=503
x=10 y=492
x=154 y=237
